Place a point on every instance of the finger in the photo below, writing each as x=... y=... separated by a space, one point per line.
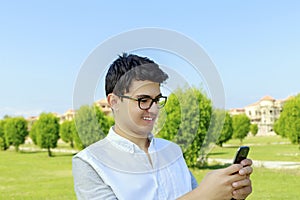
x=242 y=193
x=237 y=177
x=233 y=169
x=246 y=162
x=242 y=183
x=246 y=171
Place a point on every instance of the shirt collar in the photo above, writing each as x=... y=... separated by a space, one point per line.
x=125 y=144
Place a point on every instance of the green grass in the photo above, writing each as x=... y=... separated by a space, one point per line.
x=33 y=175
x=271 y=148
x=275 y=184
x=269 y=184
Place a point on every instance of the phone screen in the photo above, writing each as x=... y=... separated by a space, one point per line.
x=241 y=154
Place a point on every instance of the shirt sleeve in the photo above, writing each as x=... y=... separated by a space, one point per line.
x=193 y=181
x=88 y=185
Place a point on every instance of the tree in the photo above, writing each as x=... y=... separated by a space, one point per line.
x=87 y=125
x=3 y=143
x=77 y=140
x=222 y=129
x=241 y=126
x=288 y=124
x=254 y=129
x=15 y=131
x=105 y=122
x=169 y=121
x=46 y=131
x=34 y=131
x=66 y=132
x=186 y=121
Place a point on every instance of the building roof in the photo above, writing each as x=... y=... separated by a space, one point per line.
x=264 y=98
x=253 y=104
x=267 y=98
x=237 y=110
x=70 y=111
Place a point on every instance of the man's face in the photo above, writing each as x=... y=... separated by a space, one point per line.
x=130 y=118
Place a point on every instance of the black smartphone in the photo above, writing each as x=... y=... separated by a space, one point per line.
x=241 y=154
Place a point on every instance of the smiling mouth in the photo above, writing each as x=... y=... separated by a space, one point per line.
x=148 y=118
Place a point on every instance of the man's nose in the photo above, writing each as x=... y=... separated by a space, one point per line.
x=153 y=107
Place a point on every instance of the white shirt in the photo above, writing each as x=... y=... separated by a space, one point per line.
x=116 y=168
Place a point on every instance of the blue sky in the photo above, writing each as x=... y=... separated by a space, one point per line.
x=255 y=45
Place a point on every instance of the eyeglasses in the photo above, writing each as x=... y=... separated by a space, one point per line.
x=146 y=102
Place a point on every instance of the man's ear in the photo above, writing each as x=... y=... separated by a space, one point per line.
x=112 y=101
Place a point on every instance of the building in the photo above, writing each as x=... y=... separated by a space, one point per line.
x=237 y=111
x=264 y=113
x=68 y=115
x=31 y=120
x=104 y=106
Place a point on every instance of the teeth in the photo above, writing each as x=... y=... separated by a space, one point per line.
x=148 y=118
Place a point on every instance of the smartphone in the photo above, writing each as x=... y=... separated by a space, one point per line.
x=241 y=154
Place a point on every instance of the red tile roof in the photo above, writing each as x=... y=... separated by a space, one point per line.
x=267 y=98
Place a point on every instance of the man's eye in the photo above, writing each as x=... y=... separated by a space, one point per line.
x=144 y=100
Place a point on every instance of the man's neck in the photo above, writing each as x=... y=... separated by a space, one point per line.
x=142 y=143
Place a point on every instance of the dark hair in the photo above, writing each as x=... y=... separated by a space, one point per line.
x=131 y=67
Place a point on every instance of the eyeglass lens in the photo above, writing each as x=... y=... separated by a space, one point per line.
x=146 y=103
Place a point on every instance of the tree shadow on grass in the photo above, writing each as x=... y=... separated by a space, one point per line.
x=63 y=154
x=214 y=166
x=217 y=153
x=232 y=146
x=53 y=154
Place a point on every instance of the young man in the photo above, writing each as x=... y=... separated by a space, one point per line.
x=129 y=163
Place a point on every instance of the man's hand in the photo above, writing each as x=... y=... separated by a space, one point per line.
x=224 y=184
x=243 y=188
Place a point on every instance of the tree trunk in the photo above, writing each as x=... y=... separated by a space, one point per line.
x=49 y=152
x=5 y=146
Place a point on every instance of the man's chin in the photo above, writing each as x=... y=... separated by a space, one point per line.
x=145 y=130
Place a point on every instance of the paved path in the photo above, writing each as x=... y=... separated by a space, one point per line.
x=265 y=164
x=52 y=150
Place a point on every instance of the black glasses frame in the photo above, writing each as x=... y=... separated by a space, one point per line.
x=140 y=99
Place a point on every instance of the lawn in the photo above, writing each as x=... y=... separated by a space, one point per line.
x=271 y=148
x=269 y=184
x=33 y=175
